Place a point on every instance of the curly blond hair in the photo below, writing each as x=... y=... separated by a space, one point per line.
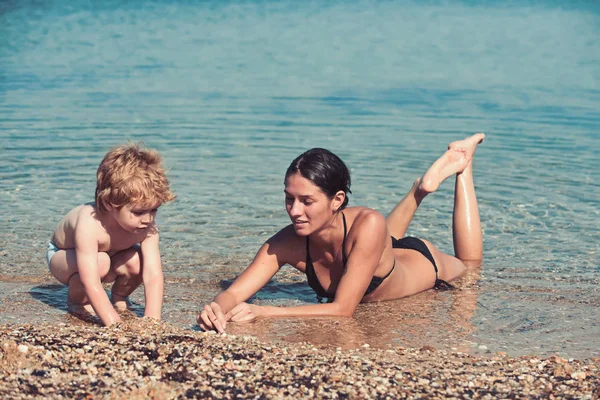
x=131 y=174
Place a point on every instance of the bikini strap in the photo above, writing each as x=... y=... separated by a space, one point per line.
x=344 y=258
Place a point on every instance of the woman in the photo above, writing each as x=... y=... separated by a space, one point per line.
x=353 y=255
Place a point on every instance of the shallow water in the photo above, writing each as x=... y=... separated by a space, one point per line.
x=231 y=92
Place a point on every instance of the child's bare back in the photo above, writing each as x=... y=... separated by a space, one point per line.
x=110 y=239
x=116 y=238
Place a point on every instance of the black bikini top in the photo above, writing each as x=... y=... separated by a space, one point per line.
x=314 y=283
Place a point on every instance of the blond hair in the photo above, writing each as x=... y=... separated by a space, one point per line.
x=131 y=174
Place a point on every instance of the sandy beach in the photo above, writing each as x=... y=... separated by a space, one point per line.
x=143 y=358
x=230 y=92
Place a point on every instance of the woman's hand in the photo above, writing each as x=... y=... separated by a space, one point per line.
x=212 y=318
x=244 y=312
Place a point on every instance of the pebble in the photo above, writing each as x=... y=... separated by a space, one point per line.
x=579 y=375
x=149 y=359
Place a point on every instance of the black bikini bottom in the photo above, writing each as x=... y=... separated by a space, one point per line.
x=417 y=244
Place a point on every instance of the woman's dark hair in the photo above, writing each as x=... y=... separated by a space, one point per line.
x=324 y=169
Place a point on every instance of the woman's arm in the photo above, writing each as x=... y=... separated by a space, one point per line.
x=365 y=255
x=265 y=265
x=362 y=262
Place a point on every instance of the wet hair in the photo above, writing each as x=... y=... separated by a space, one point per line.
x=325 y=170
x=131 y=174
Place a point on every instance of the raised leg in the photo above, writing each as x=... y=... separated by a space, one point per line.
x=453 y=161
x=466 y=224
x=400 y=217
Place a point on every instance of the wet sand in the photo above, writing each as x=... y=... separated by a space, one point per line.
x=142 y=358
x=48 y=353
x=448 y=320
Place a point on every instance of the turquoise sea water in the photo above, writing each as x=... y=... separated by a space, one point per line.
x=230 y=92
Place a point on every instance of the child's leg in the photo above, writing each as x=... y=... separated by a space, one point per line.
x=63 y=266
x=125 y=270
x=451 y=162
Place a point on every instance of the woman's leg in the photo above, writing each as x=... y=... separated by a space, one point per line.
x=400 y=217
x=453 y=161
x=467 y=235
x=466 y=225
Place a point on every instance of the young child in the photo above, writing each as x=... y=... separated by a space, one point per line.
x=114 y=239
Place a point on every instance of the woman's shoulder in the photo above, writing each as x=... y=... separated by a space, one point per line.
x=288 y=246
x=364 y=219
x=286 y=236
x=363 y=214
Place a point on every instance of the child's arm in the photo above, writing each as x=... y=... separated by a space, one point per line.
x=86 y=251
x=152 y=276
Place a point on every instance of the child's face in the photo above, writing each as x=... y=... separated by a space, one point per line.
x=135 y=218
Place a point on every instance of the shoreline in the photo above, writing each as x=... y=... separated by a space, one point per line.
x=143 y=358
x=447 y=321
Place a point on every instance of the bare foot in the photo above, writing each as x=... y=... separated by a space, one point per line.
x=469 y=144
x=82 y=311
x=121 y=303
x=453 y=161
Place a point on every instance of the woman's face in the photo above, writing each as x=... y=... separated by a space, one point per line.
x=308 y=207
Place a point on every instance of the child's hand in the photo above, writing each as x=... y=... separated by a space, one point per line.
x=244 y=312
x=212 y=318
